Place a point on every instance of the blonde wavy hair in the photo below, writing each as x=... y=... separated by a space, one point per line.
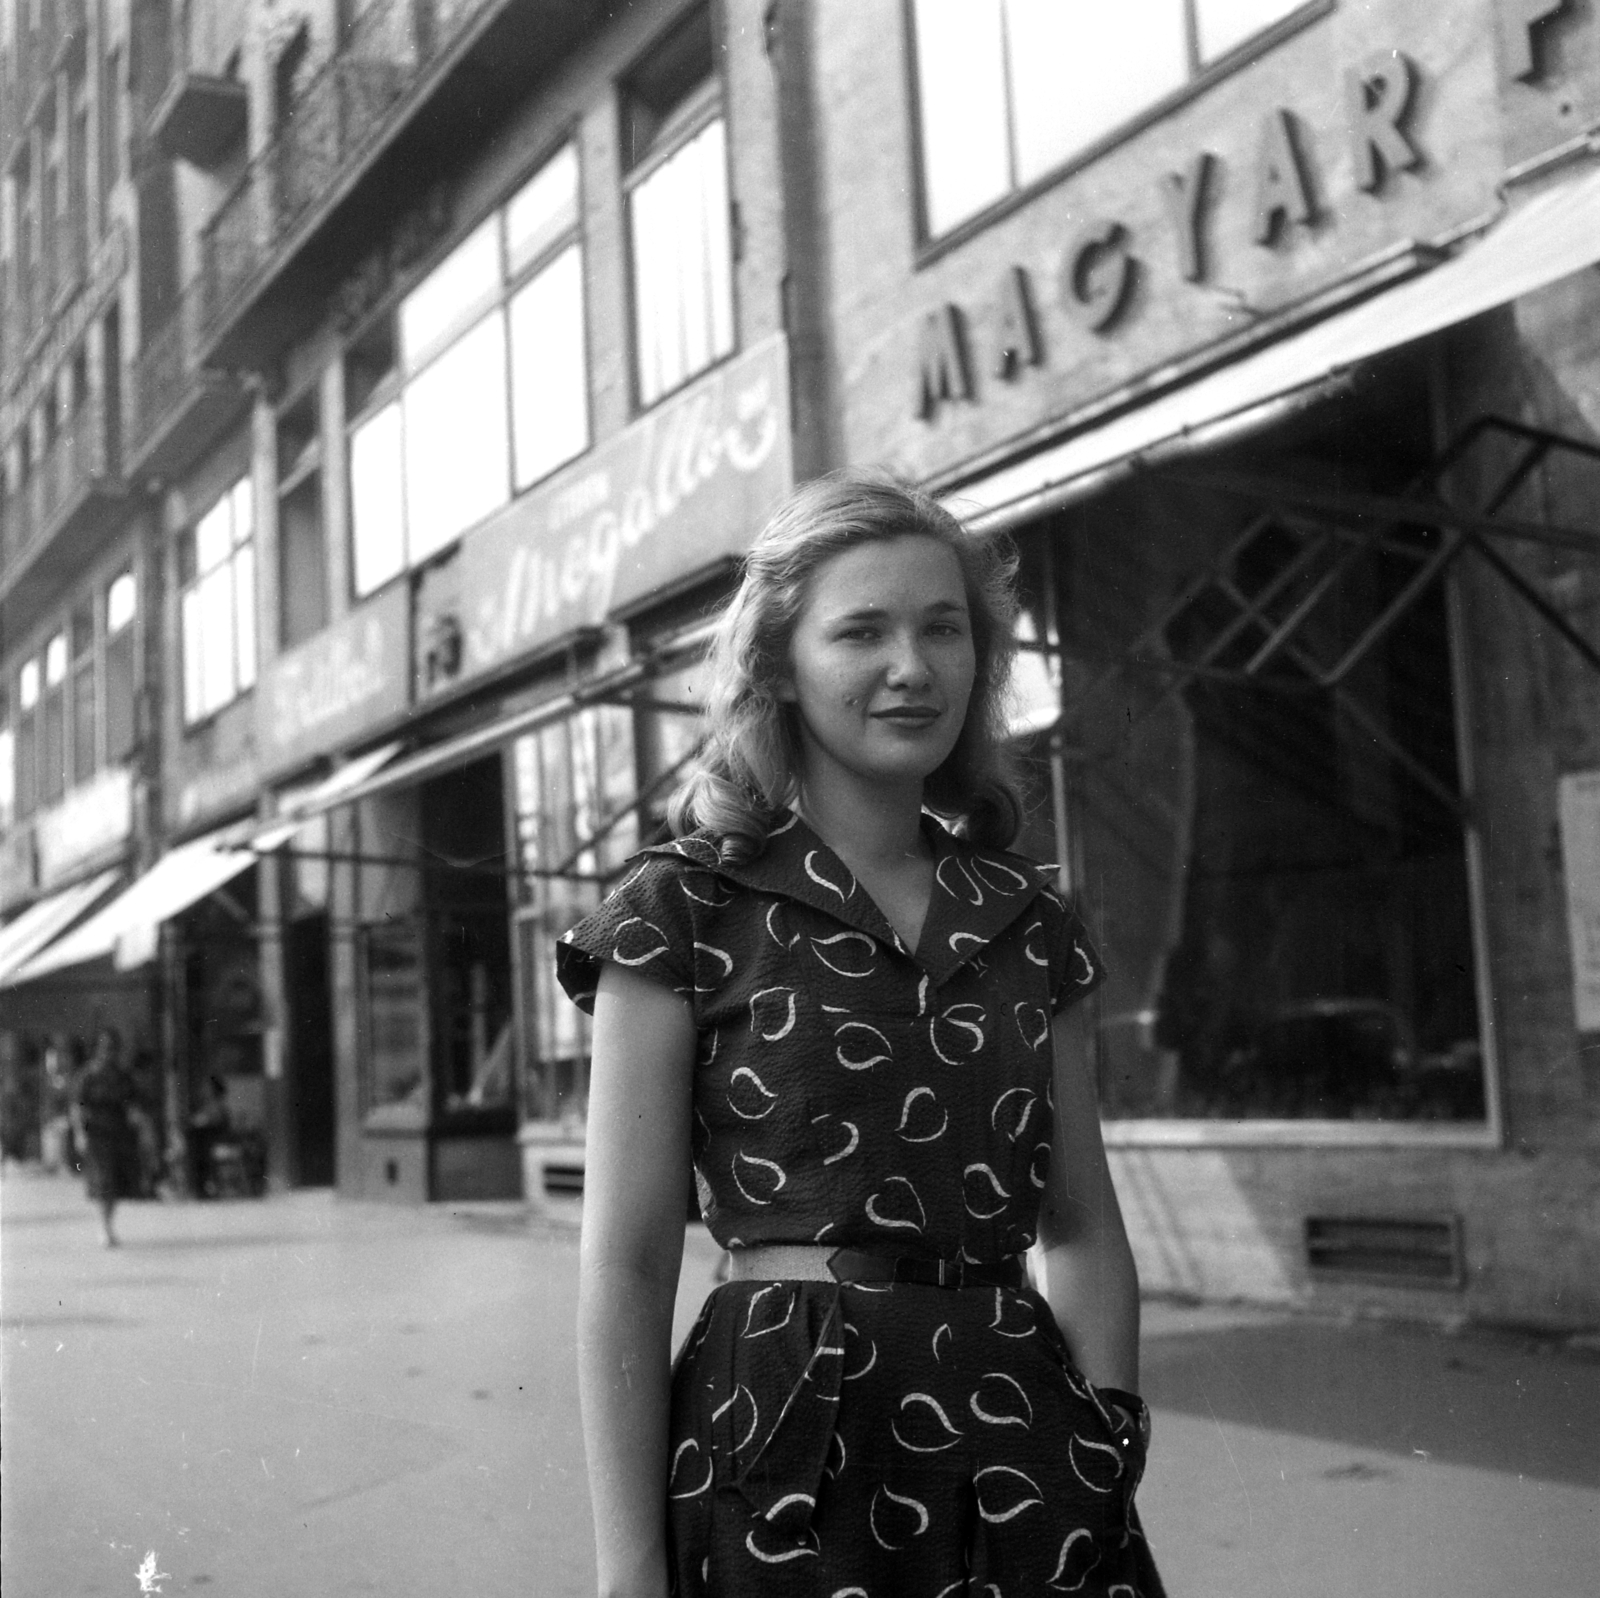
x=749 y=769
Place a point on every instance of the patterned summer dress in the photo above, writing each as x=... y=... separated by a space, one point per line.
x=855 y=1441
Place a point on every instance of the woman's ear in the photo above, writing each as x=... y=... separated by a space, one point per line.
x=784 y=691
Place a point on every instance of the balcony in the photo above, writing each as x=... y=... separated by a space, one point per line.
x=201 y=119
x=415 y=84
x=54 y=519
x=179 y=407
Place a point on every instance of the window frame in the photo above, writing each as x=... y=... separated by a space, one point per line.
x=391 y=387
x=929 y=247
x=707 y=104
x=189 y=724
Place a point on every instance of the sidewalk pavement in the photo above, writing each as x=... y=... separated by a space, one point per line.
x=306 y=1395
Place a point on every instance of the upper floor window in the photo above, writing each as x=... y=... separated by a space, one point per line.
x=8 y=765
x=121 y=668
x=1007 y=90
x=675 y=153
x=477 y=387
x=217 y=578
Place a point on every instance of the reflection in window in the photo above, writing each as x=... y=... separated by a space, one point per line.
x=1277 y=868
x=1007 y=90
x=216 y=562
x=443 y=427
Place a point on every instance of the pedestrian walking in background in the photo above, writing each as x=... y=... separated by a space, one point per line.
x=102 y=1095
x=857 y=1020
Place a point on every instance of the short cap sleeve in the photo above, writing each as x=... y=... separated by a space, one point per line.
x=644 y=924
x=1076 y=968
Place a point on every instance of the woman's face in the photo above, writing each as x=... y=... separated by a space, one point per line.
x=882 y=662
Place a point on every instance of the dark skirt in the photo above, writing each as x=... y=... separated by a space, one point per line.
x=105 y=1157
x=900 y=1440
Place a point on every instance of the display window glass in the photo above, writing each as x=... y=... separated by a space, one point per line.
x=1262 y=820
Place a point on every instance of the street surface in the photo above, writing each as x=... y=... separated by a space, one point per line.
x=312 y=1397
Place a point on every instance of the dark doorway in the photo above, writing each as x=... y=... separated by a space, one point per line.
x=310 y=1043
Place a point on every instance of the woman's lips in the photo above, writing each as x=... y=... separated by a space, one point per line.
x=908 y=715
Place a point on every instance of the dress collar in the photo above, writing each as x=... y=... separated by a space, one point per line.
x=977 y=893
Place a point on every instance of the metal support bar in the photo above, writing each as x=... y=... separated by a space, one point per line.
x=1521 y=584
x=1386 y=508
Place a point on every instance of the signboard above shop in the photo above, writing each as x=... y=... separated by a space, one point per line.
x=352 y=676
x=677 y=492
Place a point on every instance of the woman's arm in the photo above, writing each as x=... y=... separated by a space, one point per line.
x=1091 y=1281
x=635 y=1189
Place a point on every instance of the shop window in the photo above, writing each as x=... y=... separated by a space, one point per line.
x=85 y=720
x=1008 y=90
x=476 y=387
x=678 y=210
x=53 y=722
x=391 y=979
x=574 y=785
x=122 y=671
x=1275 y=855
x=302 y=561
x=217 y=578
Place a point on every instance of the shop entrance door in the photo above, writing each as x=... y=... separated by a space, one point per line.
x=310 y=1045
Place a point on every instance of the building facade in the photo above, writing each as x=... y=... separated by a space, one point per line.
x=462 y=348
x=1268 y=330
x=79 y=588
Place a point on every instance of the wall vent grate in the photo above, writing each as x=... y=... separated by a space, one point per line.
x=1401 y=1251
x=563 y=1178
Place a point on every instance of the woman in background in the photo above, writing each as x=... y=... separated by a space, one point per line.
x=101 y=1096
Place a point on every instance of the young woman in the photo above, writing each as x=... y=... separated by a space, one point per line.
x=856 y=1021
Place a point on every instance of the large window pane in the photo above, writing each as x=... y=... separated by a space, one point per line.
x=456 y=439
x=213 y=537
x=194 y=687
x=1278 y=871
x=216 y=638
x=961 y=93
x=8 y=775
x=244 y=611
x=1224 y=23
x=683 y=291
x=548 y=370
x=84 y=738
x=122 y=602
x=452 y=294
x=1078 y=71
x=542 y=209
x=377 y=499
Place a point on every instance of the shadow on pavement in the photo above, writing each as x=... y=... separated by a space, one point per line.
x=1496 y=1404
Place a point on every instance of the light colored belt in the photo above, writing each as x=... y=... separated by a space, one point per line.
x=781 y=1262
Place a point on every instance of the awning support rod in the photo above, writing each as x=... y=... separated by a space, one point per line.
x=1385 y=508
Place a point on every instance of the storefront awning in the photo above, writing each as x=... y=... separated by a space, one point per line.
x=21 y=939
x=182 y=878
x=1541 y=241
x=179 y=879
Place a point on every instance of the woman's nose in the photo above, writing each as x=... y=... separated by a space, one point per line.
x=908 y=667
